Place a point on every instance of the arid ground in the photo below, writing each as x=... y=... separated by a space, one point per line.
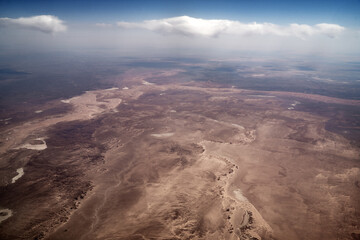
x=157 y=158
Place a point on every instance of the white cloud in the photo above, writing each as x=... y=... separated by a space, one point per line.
x=331 y=30
x=182 y=25
x=43 y=23
x=189 y=26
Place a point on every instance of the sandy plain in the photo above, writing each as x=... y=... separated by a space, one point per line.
x=151 y=159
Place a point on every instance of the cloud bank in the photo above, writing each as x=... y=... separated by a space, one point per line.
x=42 y=23
x=189 y=26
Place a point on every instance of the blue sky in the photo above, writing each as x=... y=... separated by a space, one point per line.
x=345 y=12
x=312 y=27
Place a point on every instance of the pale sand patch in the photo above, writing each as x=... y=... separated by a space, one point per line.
x=20 y=172
x=258 y=75
x=219 y=98
x=38 y=147
x=173 y=111
x=323 y=79
x=70 y=99
x=293 y=105
x=159 y=135
x=85 y=106
x=228 y=124
x=321 y=178
x=39 y=111
x=214 y=120
x=125 y=88
x=88 y=105
x=237 y=125
x=5 y=120
x=5 y=214
x=239 y=195
x=110 y=89
x=146 y=83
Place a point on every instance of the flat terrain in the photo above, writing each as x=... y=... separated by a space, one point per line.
x=157 y=158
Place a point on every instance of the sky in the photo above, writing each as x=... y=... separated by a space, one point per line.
x=342 y=12
x=170 y=27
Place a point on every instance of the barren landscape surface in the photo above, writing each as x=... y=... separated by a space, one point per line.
x=157 y=158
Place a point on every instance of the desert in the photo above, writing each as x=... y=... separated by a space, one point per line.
x=200 y=161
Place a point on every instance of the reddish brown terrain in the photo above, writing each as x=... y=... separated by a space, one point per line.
x=157 y=158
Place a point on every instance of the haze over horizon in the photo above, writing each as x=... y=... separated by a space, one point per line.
x=209 y=28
